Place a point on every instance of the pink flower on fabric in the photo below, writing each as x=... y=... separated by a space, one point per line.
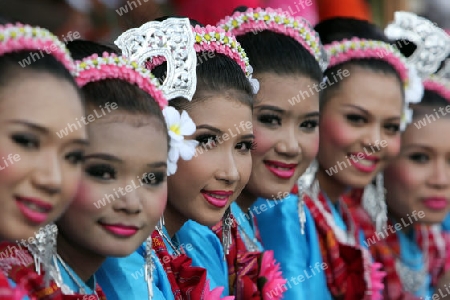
x=377 y=277
x=270 y=271
x=214 y=294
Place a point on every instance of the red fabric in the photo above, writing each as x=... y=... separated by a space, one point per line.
x=345 y=272
x=186 y=281
x=18 y=268
x=210 y=12
x=243 y=266
x=359 y=9
x=439 y=262
x=380 y=250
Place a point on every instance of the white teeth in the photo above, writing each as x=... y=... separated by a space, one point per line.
x=35 y=207
x=366 y=162
x=280 y=168
x=217 y=197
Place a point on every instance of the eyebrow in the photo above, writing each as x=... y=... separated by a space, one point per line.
x=365 y=111
x=103 y=156
x=312 y=114
x=159 y=164
x=248 y=136
x=212 y=128
x=270 y=107
x=423 y=147
x=31 y=125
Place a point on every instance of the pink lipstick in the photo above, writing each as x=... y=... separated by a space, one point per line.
x=364 y=163
x=34 y=209
x=436 y=203
x=217 y=198
x=280 y=169
x=121 y=230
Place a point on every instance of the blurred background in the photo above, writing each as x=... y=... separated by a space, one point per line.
x=104 y=20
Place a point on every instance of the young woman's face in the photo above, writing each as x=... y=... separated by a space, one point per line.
x=419 y=178
x=39 y=169
x=203 y=187
x=123 y=191
x=286 y=131
x=359 y=127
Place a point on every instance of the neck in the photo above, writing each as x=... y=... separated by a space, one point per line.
x=82 y=261
x=402 y=220
x=245 y=201
x=173 y=220
x=333 y=188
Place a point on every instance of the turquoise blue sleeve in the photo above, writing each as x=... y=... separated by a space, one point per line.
x=446 y=223
x=298 y=254
x=205 y=249
x=123 y=278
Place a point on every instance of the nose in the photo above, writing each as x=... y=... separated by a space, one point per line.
x=372 y=135
x=288 y=145
x=228 y=169
x=440 y=177
x=129 y=199
x=48 y=176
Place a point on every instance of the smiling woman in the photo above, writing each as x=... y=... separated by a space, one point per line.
x=39 y=172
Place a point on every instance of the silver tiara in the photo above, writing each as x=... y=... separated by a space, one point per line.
x=433 y=43
x=174 y=40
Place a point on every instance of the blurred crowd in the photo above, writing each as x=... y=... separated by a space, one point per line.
x=101 y=20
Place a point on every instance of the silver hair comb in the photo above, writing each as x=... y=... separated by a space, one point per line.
x=174 y=40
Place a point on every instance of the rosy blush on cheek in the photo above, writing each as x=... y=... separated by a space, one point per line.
x=264 y=142
x=86 y=196
x=336 y=133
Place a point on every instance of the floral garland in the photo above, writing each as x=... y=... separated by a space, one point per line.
x=186 y=281
x=21 y=37
x=252 y=275
x=280 y=21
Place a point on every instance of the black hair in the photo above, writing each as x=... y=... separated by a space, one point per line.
x=271 y=52
x=340 y=28
x=127 y=96
x=39 y=61
x=216 y=74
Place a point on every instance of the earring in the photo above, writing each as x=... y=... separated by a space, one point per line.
x=374 y=202
x=227 y=222
x=303 y=183
x=43 y=249
x=148 y=268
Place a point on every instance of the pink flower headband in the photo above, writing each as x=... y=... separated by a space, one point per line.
x=438 y=85
x=279 y=21
x=347 y=50
x=217 y=40
x=19 y=37
x=111 y=66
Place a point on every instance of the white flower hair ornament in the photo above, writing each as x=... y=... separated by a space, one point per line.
x=171 y=40
x=179 y=126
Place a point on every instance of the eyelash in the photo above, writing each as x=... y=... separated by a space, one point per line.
x=26 y=141
x=356 y=119
x=207 y=140
x=309 y=124
x=158 y=178
x=418 y=157
x=99 y=171
x=250 y=146
x=75 y=157
x=269 y=120
x=32 y=143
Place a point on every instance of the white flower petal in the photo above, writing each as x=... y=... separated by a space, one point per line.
x=187 y=126
x=171 y=167
x=188 y=149
x=171 y=115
